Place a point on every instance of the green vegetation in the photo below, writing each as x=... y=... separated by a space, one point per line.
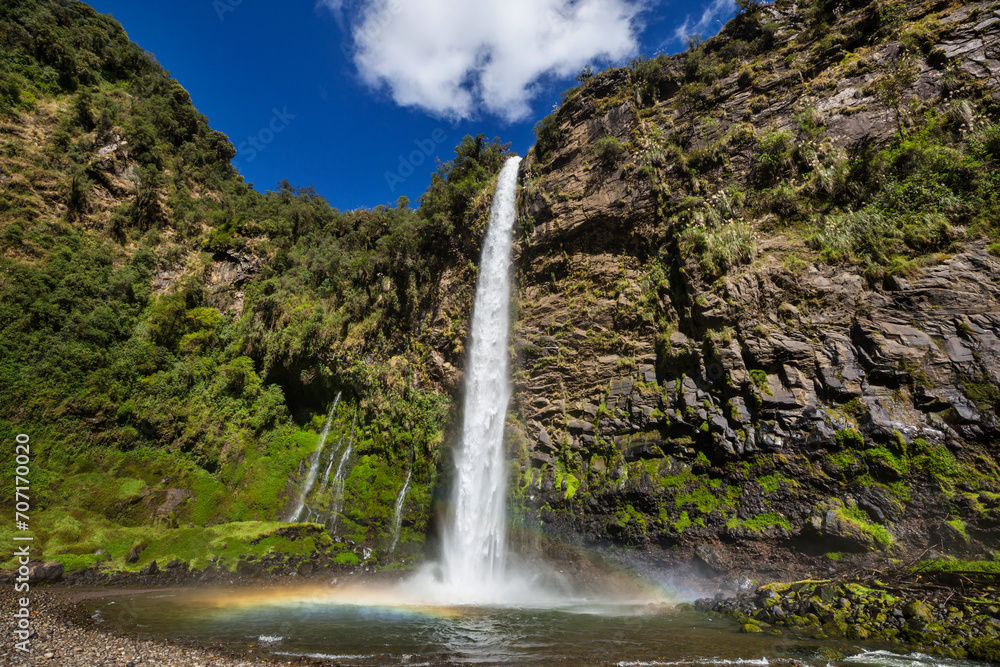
x=760 y=523
x=857 y=518
x=759 y=378
x=720 y=248
x=990 y=566
x=608 y=149
x=137 y=373
x=771 y=484
x=849 y=438
x=916 y=195
x=546 y=136
x=170 y=408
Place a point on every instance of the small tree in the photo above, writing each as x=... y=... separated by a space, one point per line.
x=145 y=211
x=77 y=199
x=902 y=73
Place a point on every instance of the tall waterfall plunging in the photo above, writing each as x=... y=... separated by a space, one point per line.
x=474 y=544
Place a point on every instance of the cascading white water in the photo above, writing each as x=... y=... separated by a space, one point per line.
x=474 y=544
x=397 y=520
x=329 y=465
x=314 y=465
x=337 y=502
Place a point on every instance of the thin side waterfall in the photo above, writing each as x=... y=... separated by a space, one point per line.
x=397 y=520
x=329 y=466
x=338 y=479
x=474 y=544
x=314 y=465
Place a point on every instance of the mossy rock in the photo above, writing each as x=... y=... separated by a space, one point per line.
x=829 y=654
x=750 y=628
x=835 y=628
x=984 y=649
x=918 y=610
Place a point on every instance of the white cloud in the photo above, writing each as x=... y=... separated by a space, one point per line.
x=455 y=58
x=706 y=24
x=336 y=7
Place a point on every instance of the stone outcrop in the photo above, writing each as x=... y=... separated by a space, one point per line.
x=804 y=403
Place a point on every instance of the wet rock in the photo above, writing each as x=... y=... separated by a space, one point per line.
x=48 y=572
x=710 y=557
x=917 y=610
x=134 y=553
x=175 y=498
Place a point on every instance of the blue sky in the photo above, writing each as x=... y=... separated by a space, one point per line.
x=339 y=94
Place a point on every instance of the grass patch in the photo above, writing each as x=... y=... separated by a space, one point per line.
x=770 y=484
x=720 y=248
x=857 y=518
x=990 y=566
x=760 y=523
x=759 y=378
x=849 y=438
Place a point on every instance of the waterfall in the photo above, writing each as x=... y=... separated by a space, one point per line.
x=338 y=479
x=474 y=544
x=397 y=521
x=314 y=465
x=333 y=457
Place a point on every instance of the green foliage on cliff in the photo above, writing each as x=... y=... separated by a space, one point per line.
x=125 y=349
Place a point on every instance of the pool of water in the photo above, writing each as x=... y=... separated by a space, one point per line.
x=363 y=627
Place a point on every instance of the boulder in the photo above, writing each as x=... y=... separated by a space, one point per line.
x=48 y=572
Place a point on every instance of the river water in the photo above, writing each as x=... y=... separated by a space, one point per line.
x=371 y=626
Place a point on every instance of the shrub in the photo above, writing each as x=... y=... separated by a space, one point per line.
x=759 y=378
x=984 y=144
x=783 y=201
x=721 y=248
x=77 y=199
x=848 y=438
x=608 y=150
x=851 y=236
x=773 y=159
x=547 y=136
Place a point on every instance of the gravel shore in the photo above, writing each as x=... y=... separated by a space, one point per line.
x=60 y=642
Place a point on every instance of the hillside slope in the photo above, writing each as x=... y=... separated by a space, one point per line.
x=172 y=340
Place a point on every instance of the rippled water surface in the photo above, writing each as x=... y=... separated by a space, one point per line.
x=355 y=627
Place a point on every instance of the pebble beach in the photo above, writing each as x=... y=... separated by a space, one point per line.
x=60 y=641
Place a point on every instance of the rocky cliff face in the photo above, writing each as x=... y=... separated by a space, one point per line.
x=706 y=368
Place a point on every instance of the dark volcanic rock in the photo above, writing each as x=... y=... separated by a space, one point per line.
x=854 y=398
